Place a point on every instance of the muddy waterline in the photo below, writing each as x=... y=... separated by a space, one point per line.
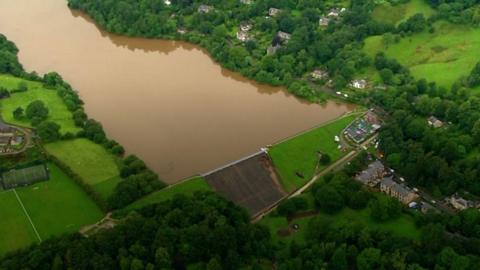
x=165 y=101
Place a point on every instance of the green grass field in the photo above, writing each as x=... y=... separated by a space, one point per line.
x=396 y=14
x=58 y=111
x=187 y=187
x=91 y=161
x=55 y=207
x=15 y=229
x=443 y=57
x=401 y=226
x=300 y=153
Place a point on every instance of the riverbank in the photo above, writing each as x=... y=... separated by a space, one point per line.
x=182 y=91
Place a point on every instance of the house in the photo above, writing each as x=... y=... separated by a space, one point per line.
x=399 y=191
x=434 y=122
x=204 y=9
x=372 y=175
x=324 y=21
x=246 y=2
x=358 y=84
x=6 y=130
x=246 y=26
x=335 y=12
x=273 y=12
x=460 y=203
x=284 y=37
x=243 y=36
x=319 y=74
x=4 y=140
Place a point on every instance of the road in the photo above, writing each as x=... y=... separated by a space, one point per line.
x=338 y=164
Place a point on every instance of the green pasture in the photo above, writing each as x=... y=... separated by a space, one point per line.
x=91 y=161
x=15 y=229
x=55 y=207
x=300 y=154
x=58 y=205
x=395 y=14
x=58 y=111
x=443 y=56
x=187 y=187
x=402 y=226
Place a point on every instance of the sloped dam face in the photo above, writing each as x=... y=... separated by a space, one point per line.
x=165 y=101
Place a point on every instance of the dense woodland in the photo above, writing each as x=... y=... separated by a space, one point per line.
x=206 y=232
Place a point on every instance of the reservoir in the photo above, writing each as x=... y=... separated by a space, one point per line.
x=168 y=102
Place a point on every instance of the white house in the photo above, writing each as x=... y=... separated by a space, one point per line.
x=359 y=84
x=273 y=12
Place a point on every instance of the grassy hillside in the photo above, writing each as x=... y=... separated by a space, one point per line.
x=55 y=207
x=89 y=160
x=58 y=111
x=187 y=188
x=396 y=14
x=443 y=56
x=59 y=205
x=300 y=154
x=401 y=226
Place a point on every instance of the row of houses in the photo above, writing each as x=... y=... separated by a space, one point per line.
x=377 y=176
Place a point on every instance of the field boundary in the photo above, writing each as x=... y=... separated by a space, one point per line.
x=28 y=216
x=354 y=112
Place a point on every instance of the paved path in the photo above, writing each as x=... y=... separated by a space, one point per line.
x=336 y=165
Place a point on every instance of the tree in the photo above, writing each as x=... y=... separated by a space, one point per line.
x=36 y=111
x=369 y=259
x=22 y=86
x=328 y=199
x=18 y=113
x=339 y=259
x=48 y=131
x=385 y=208
x=325 y=159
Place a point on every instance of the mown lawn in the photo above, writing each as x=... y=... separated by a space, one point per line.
x=402 y=226
x=300 y=153
x=395 y=14
x=58 y=111
x=187 y=187
x=443 y=56
x=91 y=161
x=58 y=205
x=15 y=229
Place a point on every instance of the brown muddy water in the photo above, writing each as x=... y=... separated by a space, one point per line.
x=165 y=101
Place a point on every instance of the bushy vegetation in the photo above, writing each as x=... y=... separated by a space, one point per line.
x=203 y=229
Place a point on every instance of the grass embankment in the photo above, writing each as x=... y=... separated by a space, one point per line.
x=442 y=57
x=300 y=154
x=58 y=111
x=95 y=165
x=55 y=207
x=187 y=187
x=403 y=225
x=395 y=14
